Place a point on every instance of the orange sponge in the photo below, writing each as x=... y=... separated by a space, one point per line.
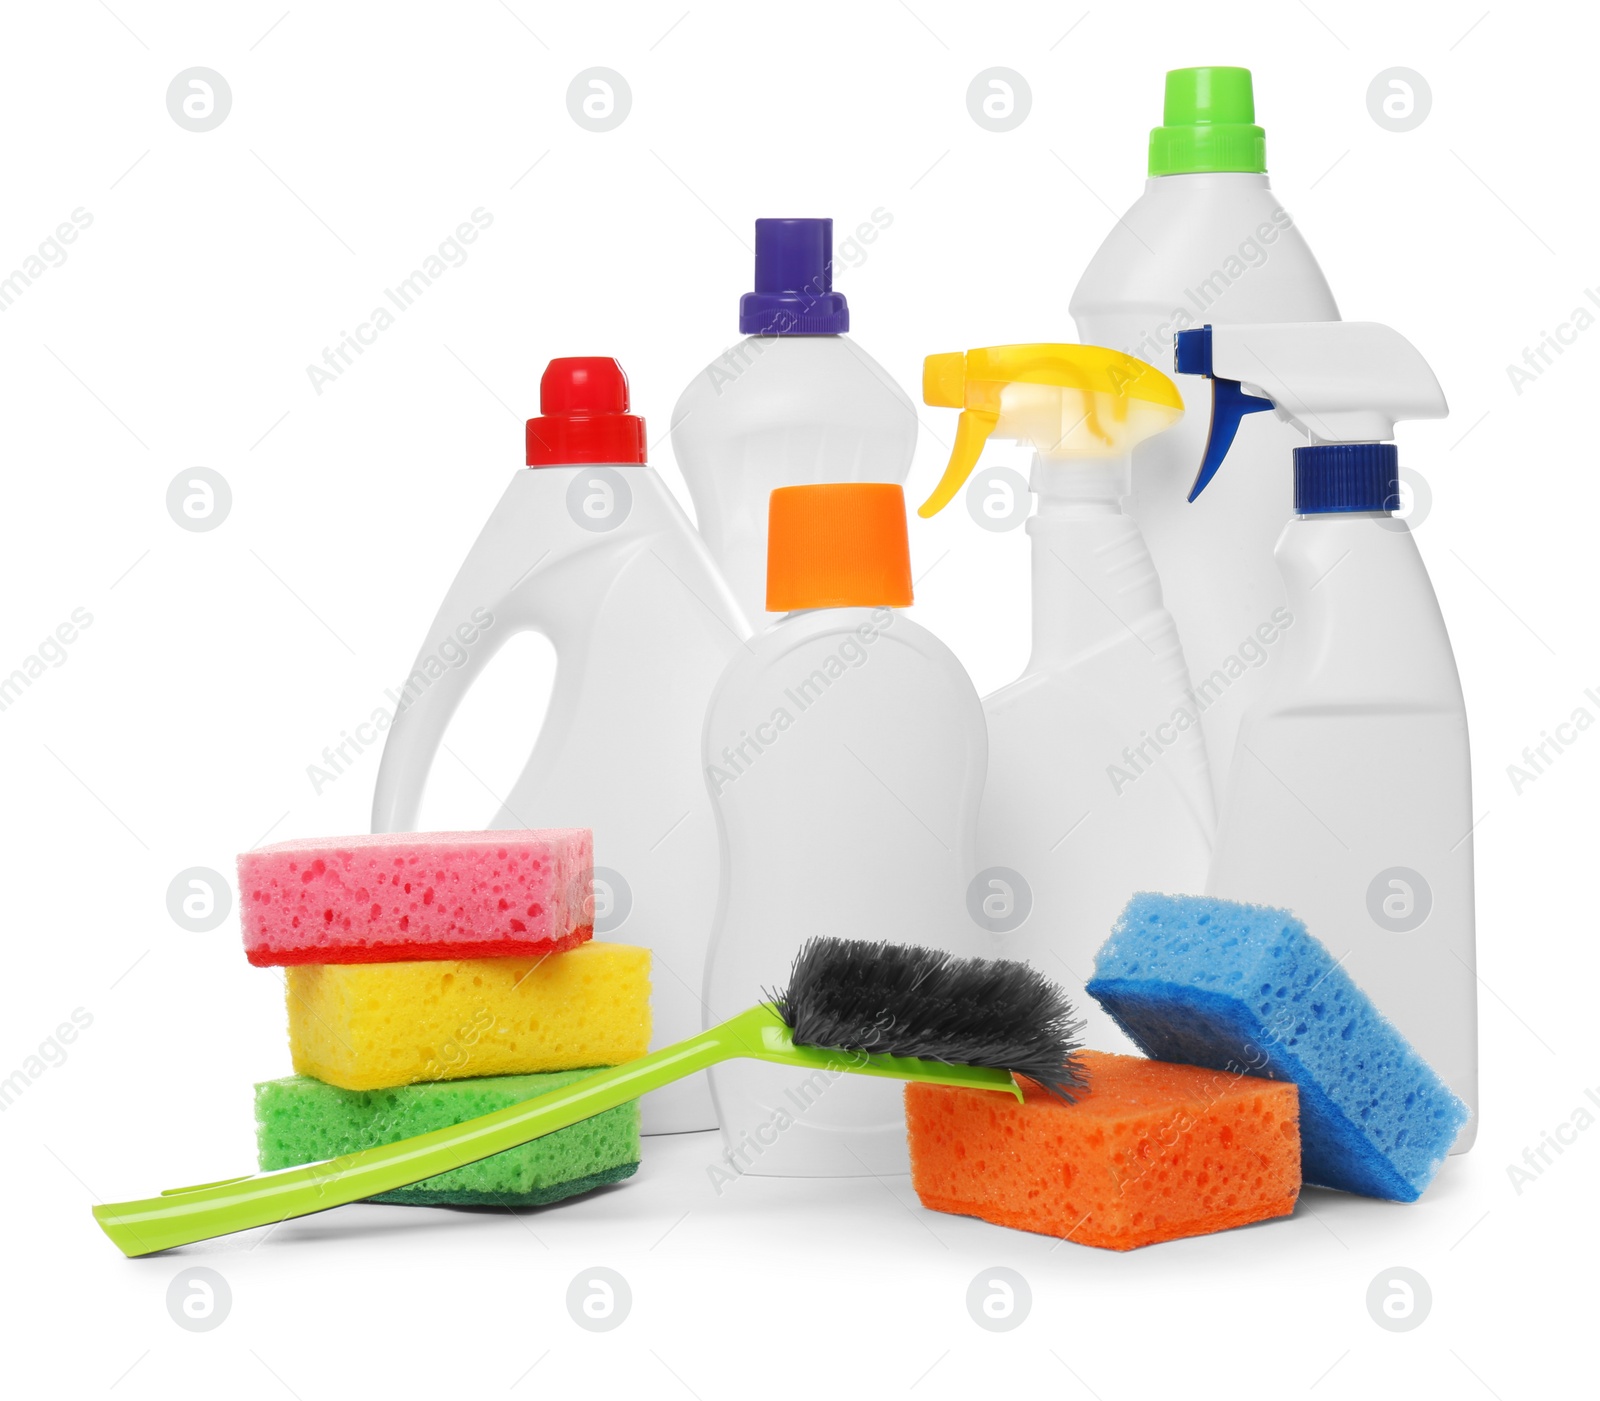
x=1151 y=1152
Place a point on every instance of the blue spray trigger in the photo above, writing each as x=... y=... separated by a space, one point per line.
x=1229 y=405
x=1229 y=402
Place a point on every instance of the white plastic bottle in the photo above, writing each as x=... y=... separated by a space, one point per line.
x=796 y=401
x=1350 y=800
x=844 y=749
x=589 y=547
x=1098 y=785
x=1208 y=242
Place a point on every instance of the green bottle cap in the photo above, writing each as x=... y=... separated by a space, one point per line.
x=1208 y=124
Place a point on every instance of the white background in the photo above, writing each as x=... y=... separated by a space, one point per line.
x=178 y=729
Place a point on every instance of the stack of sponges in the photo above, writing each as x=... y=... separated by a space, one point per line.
x=434 y=977
x=1269 y=1065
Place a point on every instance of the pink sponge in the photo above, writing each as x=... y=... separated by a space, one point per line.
x=404 y=896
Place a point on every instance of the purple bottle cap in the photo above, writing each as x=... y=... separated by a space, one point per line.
x=794 y=293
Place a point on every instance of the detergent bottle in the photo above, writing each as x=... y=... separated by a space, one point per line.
x=796 y=401
x=1098 y=785
x=589 y=548
x=1208 y=242
x=1350 y=800
x=844 y=750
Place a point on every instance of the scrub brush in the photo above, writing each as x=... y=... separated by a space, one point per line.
x=884 y=1009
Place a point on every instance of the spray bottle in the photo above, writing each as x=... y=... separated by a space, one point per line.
x=795 y=401
x=1098 y=785
x=1350 y=799
x=1208 y=242
x=588 y=547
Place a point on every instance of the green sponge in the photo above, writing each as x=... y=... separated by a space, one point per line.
x=301 y=1120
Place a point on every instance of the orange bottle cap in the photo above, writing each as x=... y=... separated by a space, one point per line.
x=839 y=545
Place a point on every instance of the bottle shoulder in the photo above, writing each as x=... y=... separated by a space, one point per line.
x=595 y=499
x=840 y=641
x=550 y=514
x=763 y=382
x=860 y=710
x=801 y=631
x=1368 y=630
x=1218 y=248
x=1361 y=573
x=1381 y=548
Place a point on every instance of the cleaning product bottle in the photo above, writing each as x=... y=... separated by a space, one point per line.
x=588 y=547
x=844 y=750
x=1208 y=242
x=1350 y=800
x=796 y=401
x=1098 y=785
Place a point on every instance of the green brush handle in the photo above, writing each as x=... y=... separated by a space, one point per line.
x=189 y=1214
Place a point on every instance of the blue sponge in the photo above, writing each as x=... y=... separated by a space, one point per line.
x=1245 y=988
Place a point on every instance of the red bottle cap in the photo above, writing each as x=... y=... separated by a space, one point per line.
x=583 y=415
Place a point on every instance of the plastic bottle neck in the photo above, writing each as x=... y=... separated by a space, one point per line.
x=1077 y=486
x=1210 y=179
x=1350 y=516
x=1093 y=581
x=888 y=611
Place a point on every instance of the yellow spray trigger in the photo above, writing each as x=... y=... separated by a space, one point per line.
x=972 y=432
x=1104 y=402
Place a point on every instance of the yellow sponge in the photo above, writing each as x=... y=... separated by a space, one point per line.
x=369 y=1026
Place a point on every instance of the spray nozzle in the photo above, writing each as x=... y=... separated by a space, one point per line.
x=1344 y=384
x=1068 y=401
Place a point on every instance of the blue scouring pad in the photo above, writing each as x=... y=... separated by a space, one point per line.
x=1246 y=988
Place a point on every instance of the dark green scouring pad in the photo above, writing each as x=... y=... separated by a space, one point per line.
x=301 y=1120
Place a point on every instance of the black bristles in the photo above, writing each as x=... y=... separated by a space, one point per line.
x=902 y=1000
